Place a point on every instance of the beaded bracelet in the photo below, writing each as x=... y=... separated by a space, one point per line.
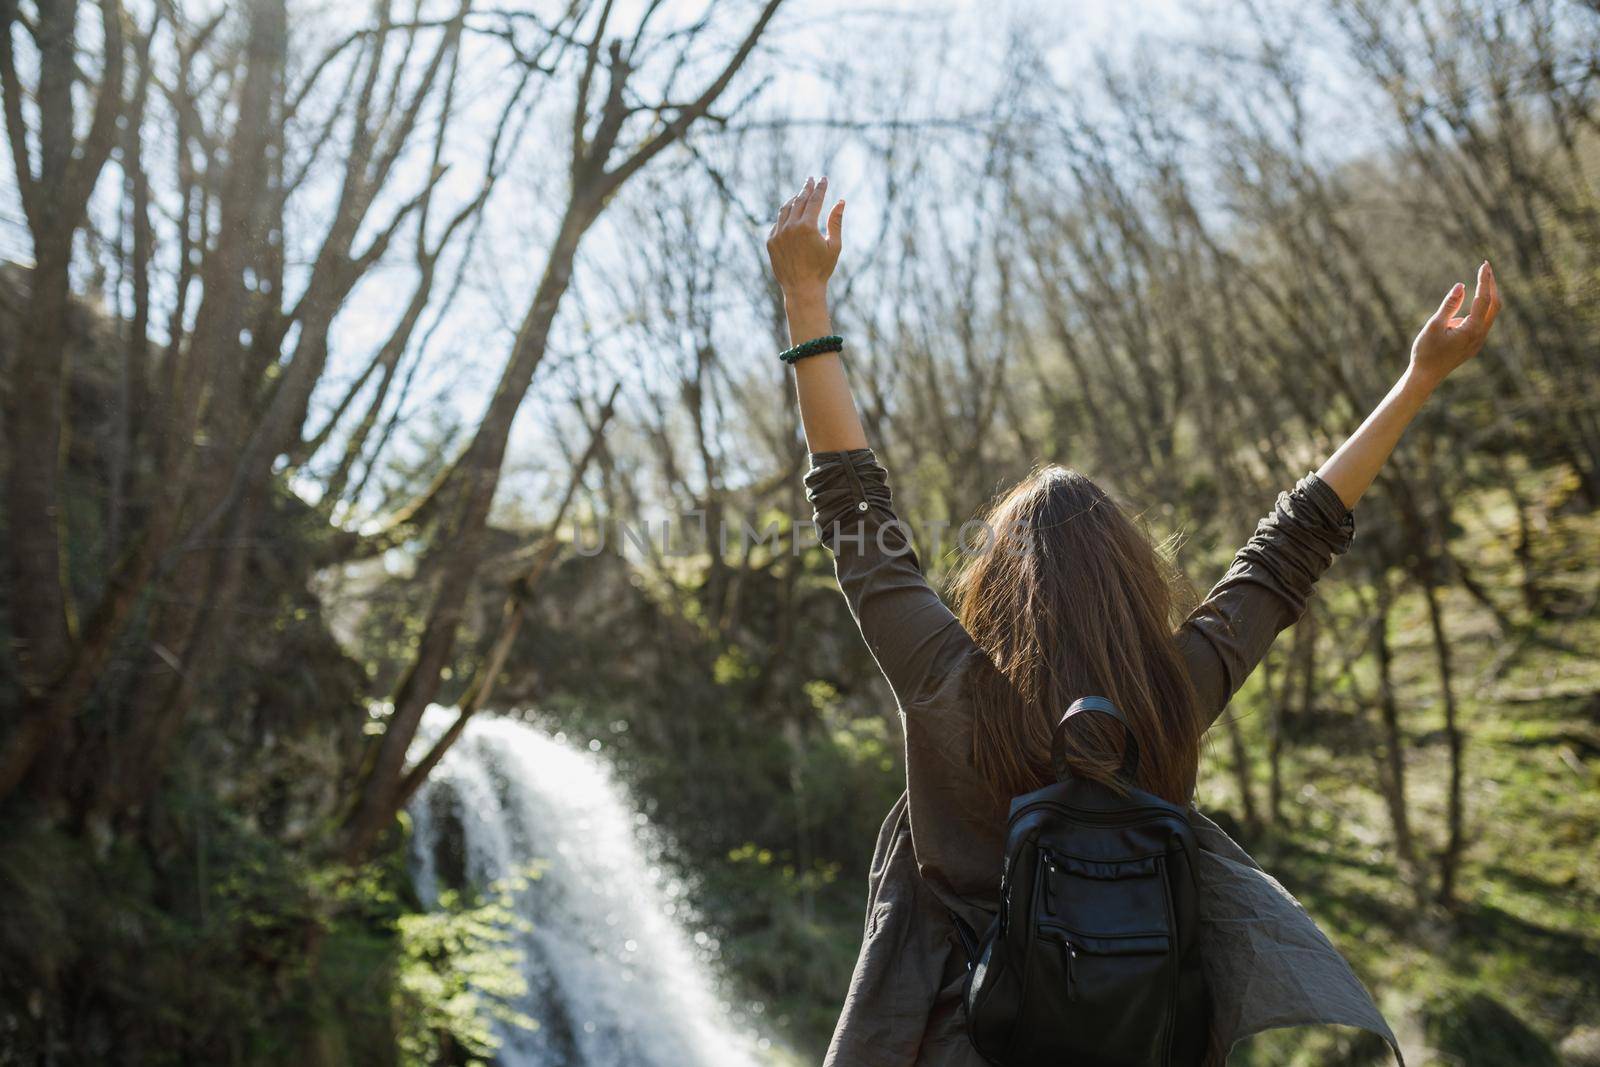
x=813 y=347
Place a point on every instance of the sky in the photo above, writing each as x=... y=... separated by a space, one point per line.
x=806 y=58
x=819 y=59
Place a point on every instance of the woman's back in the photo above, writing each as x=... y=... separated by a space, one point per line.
x=941 y=846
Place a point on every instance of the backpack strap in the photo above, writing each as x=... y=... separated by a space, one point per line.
x=1058 y=741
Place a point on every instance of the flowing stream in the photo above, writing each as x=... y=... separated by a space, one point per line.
x=614 y=975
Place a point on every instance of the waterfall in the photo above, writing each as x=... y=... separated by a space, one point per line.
x=614 y=976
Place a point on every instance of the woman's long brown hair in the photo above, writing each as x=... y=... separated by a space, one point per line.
x=1069 y=597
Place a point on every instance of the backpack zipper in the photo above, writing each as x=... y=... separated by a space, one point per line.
x=1072 y=970
x=1050 y=870
x=1172 y=923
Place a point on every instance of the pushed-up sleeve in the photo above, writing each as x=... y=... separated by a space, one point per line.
x=1265 y=590
x=914 y=637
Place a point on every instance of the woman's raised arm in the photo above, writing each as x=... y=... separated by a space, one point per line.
x=1445 y=343
x=1269 y=584
x=912 y=634
x=803 y=259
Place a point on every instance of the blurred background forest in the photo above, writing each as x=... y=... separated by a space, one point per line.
x=333 y=336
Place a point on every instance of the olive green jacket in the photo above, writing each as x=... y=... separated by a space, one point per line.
x=942 y=843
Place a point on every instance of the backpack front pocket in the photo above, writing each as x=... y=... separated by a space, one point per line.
x=1105 y=899
x=1106 y=930
x=1116 y=988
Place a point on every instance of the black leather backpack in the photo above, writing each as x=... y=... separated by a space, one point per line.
x=1092 y=960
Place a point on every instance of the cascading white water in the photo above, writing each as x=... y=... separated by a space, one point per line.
x=614 y=978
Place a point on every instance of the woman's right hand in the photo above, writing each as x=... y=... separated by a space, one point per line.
x=802 y=257
x=1446 y=342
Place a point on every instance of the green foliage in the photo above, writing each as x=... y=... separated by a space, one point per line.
x=791 y=933
x=205 y=954
x=459 y=969
x=229 y=948
x=1473 y=1029
x=731 y=667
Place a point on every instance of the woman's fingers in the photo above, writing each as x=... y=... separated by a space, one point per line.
x=806 y=206
x=1447 y=309
x=803 y=209
x=801 y=201
x=1484 y=291
x=1485 y=304
x=1482 y=296
x=814 y=203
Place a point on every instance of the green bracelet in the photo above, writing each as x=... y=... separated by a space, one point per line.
x=815 y=346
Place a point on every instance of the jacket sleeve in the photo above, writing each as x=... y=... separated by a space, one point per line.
x=1265 y=590
x=914 y=637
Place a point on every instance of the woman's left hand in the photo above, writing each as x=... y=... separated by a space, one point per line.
x=802 y=257
x=1448 y=341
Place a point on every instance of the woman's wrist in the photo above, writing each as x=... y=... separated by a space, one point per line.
x=1407 y=397
x=807 y=311
x=805 y=295
x=1418 y=384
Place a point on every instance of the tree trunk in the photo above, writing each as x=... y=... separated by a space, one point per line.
x=1241 y=771
x=35 y=440
x=462 y=548
x=1392 y=761
x=1450 y=856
